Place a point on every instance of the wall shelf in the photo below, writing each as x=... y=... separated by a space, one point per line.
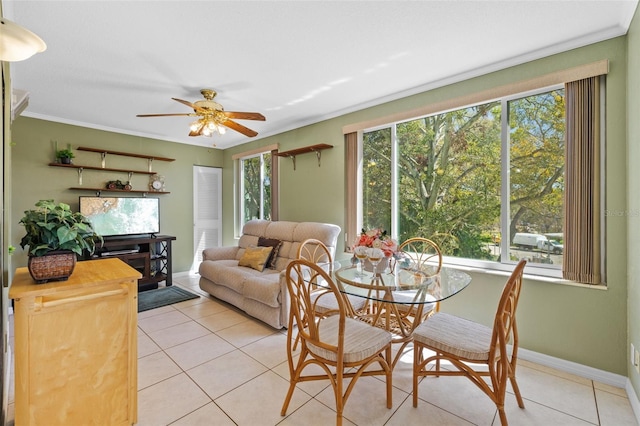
x=305 y=150
x=99 y=190
x=124 y=154
x=103 y=167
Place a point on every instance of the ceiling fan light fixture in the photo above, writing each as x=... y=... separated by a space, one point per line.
x=209 y=126
x=195 y=125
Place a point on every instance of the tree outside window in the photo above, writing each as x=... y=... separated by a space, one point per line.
x=445 y=177
x=256 y=193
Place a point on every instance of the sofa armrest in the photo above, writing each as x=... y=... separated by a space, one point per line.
x=285 y=300
x=220 y=253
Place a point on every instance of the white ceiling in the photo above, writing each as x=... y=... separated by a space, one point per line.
x=296 y=62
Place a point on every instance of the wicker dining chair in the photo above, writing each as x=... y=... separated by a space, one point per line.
x=343 y=347
x=424 y=257
x=316 y=252
x=462 y=342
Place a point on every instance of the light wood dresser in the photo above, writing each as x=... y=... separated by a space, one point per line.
x=76 y=346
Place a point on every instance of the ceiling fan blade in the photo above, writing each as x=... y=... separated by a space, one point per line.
x=189 y=104
x=244 y=115
x=166 y=115
x=239 y=128
x=198 y=131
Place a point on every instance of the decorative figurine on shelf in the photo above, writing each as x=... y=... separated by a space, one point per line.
x=156 y=183
x=117 y=184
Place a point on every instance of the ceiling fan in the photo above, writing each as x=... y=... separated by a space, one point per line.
x=212 y=117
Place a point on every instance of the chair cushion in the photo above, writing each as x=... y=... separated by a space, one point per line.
x=361 y=340
x=255 y=257
x=328 y=302
x=454 y=335
x=408 y=297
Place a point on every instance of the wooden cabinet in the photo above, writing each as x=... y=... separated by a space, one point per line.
x=151 y=256
x=76 y=346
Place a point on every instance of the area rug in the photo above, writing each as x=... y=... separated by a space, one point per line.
x=164 y=296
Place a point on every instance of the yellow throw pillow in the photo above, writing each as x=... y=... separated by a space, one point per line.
x=255 y=257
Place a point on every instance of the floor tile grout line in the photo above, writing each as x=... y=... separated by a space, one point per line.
x=595 y=401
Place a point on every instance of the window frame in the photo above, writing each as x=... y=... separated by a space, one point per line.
x=238 y=176
x=501 y=265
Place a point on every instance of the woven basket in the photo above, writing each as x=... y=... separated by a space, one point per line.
x=54 y=266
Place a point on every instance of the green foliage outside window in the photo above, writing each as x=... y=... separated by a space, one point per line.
x=449 y=175
x=256 y=173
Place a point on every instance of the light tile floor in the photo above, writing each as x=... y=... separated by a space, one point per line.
x=203 y=362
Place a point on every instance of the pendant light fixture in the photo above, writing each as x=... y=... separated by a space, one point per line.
x=18 y=43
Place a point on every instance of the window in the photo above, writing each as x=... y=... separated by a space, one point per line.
x=473 y=179
x=256 y=187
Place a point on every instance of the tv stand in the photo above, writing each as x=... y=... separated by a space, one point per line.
x=118 y=252
x=150 y=255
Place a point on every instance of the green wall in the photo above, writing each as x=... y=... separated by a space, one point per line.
x=633 y=220
x=583 y=325
x=32 y=179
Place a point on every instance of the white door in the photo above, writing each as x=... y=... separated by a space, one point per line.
x=207 y=211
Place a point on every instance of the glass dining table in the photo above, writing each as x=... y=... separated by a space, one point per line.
x=398 y=300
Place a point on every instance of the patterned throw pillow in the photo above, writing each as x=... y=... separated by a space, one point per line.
x=255 y=257
x=271 y=242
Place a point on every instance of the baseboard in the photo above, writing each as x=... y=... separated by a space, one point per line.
x=574 y=368
x=633 y=400
x=591 y=373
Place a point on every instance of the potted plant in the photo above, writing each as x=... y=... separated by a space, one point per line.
x=55 y=236
x=65 y=155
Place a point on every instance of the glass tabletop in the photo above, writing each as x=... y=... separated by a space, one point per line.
x=396 y=300
x=404 y=286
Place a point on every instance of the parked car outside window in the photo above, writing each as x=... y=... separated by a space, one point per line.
x=552 y=246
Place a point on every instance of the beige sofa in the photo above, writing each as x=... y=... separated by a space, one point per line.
x=262 y=295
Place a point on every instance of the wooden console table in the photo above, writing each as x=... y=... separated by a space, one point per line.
x=76 y=346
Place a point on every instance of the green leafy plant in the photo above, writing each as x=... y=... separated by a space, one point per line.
x=52 y=226
x=65 y=153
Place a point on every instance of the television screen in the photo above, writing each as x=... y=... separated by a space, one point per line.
x=114 y=216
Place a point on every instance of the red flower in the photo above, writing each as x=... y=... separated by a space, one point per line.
x=377 y=238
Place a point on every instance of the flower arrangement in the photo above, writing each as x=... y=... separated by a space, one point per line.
x=377 y=238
